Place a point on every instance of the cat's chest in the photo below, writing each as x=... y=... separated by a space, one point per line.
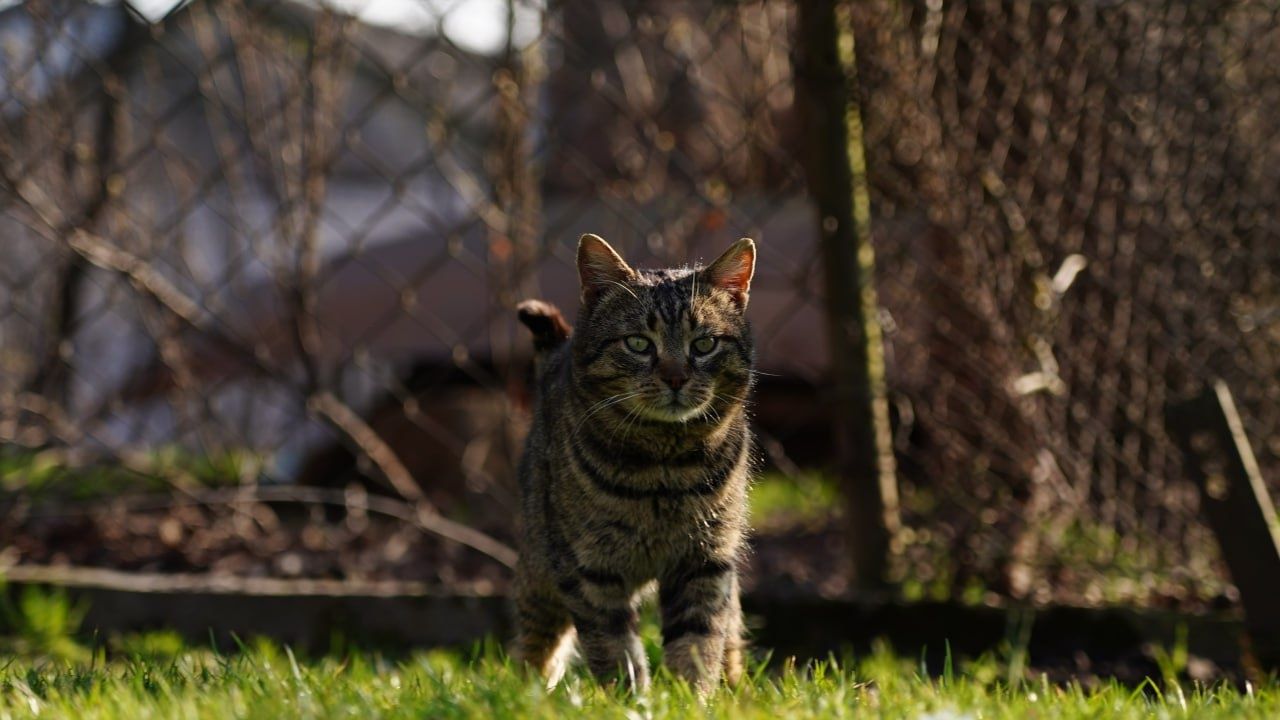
x=646 y=538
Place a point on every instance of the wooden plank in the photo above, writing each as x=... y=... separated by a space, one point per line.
x=311 y=615
x=308 y=615
x=1234 y=501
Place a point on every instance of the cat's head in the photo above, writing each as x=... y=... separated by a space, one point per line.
x=670 y=345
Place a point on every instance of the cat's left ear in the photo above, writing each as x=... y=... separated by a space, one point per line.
x=733 y=270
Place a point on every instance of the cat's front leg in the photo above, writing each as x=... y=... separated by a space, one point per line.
x=605 y=616
x=544 y=639
x=702 y=621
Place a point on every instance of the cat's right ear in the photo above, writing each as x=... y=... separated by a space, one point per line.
x=600 y=267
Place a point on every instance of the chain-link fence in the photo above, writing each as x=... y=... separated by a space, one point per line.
x=1093 y=183
x=275 y=248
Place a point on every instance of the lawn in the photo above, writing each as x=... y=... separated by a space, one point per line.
x=160 y=678
x=51 y=667
x=48 y=669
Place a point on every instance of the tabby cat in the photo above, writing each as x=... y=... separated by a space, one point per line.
x=636 y=469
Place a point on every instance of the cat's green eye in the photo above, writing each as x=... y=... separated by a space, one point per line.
x=638 y=343
x=704 y=345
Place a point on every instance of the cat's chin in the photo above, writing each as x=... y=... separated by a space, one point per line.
x=674 y=413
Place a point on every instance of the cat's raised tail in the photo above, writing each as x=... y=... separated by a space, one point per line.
x=544 y=320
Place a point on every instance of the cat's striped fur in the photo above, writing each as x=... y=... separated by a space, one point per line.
x=636 y=469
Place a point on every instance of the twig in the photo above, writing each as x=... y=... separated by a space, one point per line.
x=370 y=443
x=419 y=516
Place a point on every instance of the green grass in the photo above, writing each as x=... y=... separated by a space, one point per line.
x=779 y=500
x=49 y=668
x=46 y=672
x=45 y=475
x=266 y=681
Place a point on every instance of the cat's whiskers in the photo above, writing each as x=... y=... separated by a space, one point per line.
x=604 y=405
x=693 y=294
x=732 y=399
x=611 y=398
x=712 y=412
x=627 y=289
x=628 y=421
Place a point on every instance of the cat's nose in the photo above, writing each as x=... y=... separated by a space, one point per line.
x=675 y=379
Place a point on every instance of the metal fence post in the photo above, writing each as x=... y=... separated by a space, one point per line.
x=836 y=169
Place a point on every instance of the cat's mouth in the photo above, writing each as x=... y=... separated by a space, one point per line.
x=674 y=409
